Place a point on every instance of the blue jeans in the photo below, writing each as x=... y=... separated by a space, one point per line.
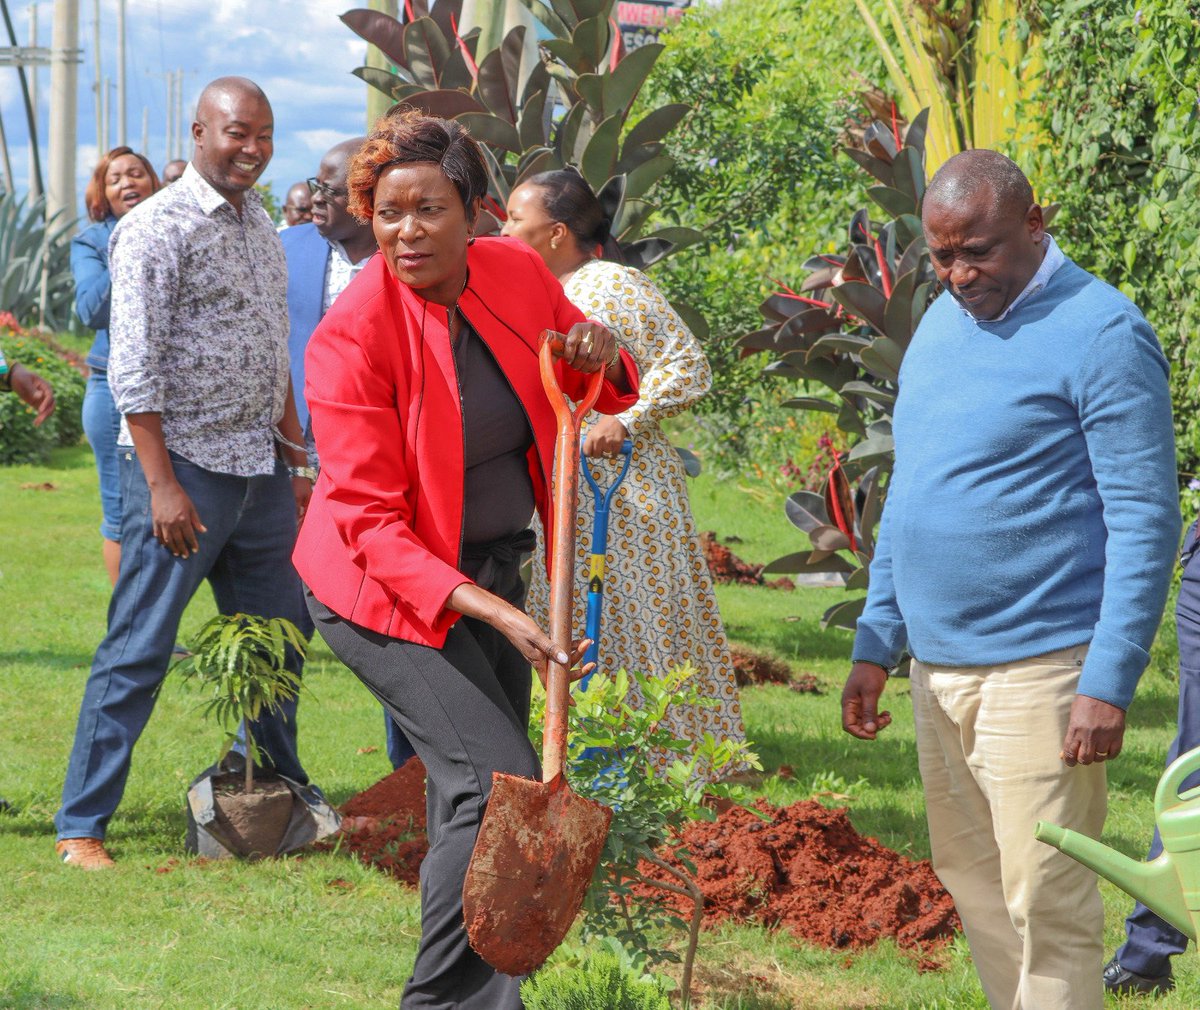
x=102 y=425
x=246 y=557
x=399 y=750
x=1151 y=942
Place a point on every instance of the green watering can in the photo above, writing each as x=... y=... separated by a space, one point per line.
x=1170 y=884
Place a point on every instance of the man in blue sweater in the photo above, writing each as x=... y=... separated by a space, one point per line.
x=1023 y=560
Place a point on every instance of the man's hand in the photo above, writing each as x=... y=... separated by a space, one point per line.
x=34 y=390
x=1095 y=732
x=860 y=700
x=302 y=489
x=604 y=438
x=176 y=521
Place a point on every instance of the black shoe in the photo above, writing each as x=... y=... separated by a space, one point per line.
x=1122 y=981
x=6 y=807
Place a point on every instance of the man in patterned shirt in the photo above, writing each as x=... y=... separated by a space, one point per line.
x=199 y=369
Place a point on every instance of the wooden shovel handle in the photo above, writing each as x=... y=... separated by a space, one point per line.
x=562 y=560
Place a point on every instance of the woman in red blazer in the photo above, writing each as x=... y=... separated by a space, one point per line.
x=436 y=441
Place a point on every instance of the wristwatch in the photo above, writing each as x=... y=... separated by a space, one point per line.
x=307 y=472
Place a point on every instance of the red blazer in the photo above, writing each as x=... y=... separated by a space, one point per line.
x=380 y=543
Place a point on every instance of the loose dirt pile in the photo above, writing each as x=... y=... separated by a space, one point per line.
x=725 y=566
x=384 y=826
x=750 y=667
x=805 y=869
x=808 y=871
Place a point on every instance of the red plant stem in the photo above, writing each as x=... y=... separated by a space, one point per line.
x=807 y=301
x=884 y=274
x=467 y=58
x=896 y=128
x=408 y=11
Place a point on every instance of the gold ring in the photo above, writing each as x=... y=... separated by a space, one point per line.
x=587 y=343
x=1101 y=753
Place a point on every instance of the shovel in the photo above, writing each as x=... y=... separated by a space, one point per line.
x=595 y=593
x=539 y=843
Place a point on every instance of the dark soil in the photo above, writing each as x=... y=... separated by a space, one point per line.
x=384 y=826
x=726 y=566
x=808 y=871
x=254 y=822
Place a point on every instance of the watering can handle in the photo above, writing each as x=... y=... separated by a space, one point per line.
x=1168 y=795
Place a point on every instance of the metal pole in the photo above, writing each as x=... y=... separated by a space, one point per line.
x=170 y=115
x=9 y=189
x=63 y=107
x=98 y=85
x=122 y=118
x=180 y=129
x=106 y=116
x=35 y=181
x=30 y=118
x=145 y=148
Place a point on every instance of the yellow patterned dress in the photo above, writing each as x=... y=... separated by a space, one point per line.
x=659 y=607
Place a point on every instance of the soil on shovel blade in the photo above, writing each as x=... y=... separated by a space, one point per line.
x=384 y=826
x=807 y=870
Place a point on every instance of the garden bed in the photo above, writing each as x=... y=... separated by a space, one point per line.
x=804 y=869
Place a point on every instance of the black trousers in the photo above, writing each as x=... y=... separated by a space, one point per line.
x=465 y=708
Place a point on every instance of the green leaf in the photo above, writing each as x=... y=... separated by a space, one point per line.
x=844 y=614
x=654 y=126
x=600 y=155
x=893 y=201
x=493 y=130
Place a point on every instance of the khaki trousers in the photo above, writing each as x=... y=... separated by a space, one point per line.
x=988 y=741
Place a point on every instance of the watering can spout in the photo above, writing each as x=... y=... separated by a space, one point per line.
x=1154 y=884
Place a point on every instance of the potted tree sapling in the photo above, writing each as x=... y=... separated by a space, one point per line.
x=240 y=662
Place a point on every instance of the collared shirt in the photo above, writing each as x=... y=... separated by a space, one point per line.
x=339 y=272
x=199 y=325
x=1051 y=261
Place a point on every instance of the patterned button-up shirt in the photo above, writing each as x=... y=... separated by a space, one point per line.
x=199 y=325
x=339 y=272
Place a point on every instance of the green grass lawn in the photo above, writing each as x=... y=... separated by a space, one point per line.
x=322 y=931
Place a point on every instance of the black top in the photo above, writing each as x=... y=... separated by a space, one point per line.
x=498 y=490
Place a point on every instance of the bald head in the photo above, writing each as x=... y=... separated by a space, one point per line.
x=225 y=92
x=330 y=201
x=297 y=207
x=233 y=134
x=984 y=232
x=962 y=178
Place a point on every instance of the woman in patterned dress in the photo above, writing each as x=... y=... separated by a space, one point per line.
x=659 y=606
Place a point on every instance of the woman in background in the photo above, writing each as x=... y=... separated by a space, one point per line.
x=658 y=597
x=121 y=181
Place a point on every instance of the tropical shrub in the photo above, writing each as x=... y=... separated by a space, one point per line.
x=972 y=63
x=27 y=242
x=1123 y=158
x=617 y=744
x=843 y=334
x=20 y=441
x=770 y=82
x=601 y=982
x=573 y=108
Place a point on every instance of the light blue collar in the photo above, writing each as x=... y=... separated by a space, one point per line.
x=1051 y=261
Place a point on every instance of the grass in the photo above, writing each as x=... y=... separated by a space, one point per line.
x=322 y=931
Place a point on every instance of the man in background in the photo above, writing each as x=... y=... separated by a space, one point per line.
x=297 y=207
x=323 y=257
x=173 y=171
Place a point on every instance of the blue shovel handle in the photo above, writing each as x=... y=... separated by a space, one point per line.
x=595 y=595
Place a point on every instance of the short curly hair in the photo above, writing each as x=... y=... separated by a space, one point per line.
x=95 y=197
x=406 y=137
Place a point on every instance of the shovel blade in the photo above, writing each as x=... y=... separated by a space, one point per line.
x=537 y=850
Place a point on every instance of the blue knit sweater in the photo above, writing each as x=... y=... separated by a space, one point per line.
x=1034 y=504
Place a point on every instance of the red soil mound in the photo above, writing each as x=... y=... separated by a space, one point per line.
x=807 y=870
x=385 y=825
x=727 y=566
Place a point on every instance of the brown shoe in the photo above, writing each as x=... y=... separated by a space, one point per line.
x=86 y=853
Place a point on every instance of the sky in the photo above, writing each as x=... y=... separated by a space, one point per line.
x=296 y=50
